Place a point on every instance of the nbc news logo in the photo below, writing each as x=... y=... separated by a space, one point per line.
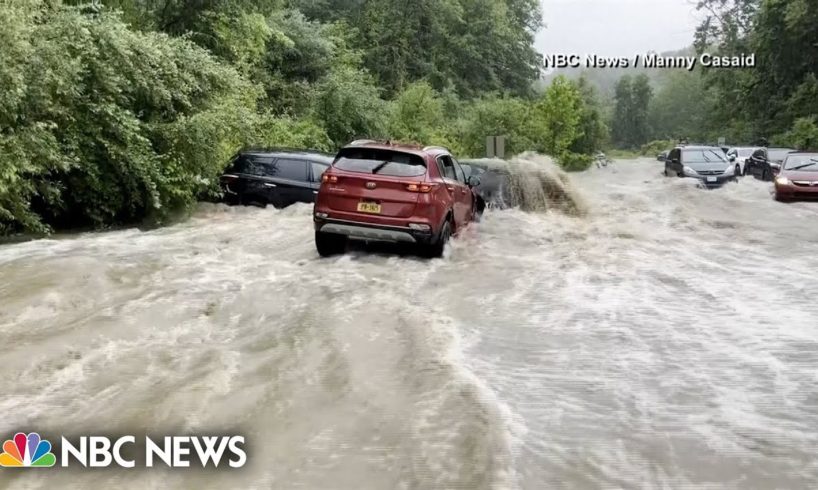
x=32 y=451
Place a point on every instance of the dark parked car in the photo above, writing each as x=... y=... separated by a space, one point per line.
x=739 y=156
x=391 y=192
x=798 y=178
x=708 y=164
x=765 y=163
x=276 y=177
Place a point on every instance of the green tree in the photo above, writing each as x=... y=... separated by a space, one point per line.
x=495 y=115
x=556 y=117
x=726 y=23
x=348 y=105
x=593 y=132
x=416 y=114
x=640 y=98
x=475 y=46
x=178 y=17
x=682 y=107
x=782 y=87
x=630 y=122
x=784 y=41
x=621 y=116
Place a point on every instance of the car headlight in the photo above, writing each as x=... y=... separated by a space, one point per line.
x=689 y=171
x=782 y=181
x=730 y=170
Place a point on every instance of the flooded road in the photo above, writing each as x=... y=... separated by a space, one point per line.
x=667 y=338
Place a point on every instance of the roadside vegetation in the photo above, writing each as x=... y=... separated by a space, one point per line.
x=126 y=111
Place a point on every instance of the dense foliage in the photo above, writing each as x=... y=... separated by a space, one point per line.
x=682 y=108
x=472 y=46
x=630 y=125
x=777 y=101
x=99 y=123
x=116 y=111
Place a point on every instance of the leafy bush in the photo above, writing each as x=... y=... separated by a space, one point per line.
x=348 y=106
x=575 y=162
x=416 y=114
x=102 y=124
x=494 y=116
x=803 y=135
x=293 y=133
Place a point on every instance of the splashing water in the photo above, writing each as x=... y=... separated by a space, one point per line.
x=530 y=182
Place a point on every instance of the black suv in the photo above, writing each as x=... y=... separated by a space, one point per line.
x=279 y=177
x=765 y=163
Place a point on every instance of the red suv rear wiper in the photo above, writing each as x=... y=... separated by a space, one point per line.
x=380 y=166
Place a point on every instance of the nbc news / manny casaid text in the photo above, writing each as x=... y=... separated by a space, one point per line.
x=648 y=60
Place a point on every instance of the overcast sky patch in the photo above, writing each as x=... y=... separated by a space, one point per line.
x=616 y=27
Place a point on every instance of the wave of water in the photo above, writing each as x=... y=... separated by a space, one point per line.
x=530 y=182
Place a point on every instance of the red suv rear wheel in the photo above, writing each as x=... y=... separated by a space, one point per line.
x=329 y=244
x=436 y=248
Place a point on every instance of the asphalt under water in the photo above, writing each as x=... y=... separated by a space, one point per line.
x=666 y=337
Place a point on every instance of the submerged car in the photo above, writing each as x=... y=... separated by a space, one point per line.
x=765 y=163
x=490 y=185
x=392 y=192
x=798 y=178
x=276 y=177
x=708 y=164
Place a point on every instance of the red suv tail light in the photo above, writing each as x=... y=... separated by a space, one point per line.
x=329 y=178
x=418 y=187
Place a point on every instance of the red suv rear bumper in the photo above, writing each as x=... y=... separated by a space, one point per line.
x=361 y=230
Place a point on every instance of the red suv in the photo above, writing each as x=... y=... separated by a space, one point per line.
x=383 y=191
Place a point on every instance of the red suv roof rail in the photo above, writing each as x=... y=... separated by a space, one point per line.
x=435 y=147
x=405 y=144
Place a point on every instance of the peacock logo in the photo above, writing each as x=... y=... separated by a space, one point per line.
x=27 y=451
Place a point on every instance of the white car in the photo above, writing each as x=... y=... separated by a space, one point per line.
x=739 y=156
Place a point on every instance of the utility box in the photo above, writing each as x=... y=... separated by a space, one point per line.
x=495 y=147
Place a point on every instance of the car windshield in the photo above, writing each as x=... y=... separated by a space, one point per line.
x=381 y=162
x=706 y=155
x=778 y=154
x=745 y=152
x=807 y=163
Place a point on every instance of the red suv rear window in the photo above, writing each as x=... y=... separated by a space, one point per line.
x=380 y=162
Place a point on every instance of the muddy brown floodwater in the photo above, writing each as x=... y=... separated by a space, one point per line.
x=667 y=337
